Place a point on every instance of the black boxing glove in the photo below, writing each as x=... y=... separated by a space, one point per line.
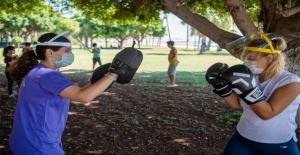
x=243 y=83
x=216 y=81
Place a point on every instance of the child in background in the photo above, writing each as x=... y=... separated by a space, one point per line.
x=26 y=48
x=173 y=63
x=96 y=56
x=10 y=58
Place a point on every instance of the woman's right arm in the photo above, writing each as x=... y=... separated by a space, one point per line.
x=87 y=94
x=233 y=101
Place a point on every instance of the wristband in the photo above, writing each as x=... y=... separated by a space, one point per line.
x=111 y=77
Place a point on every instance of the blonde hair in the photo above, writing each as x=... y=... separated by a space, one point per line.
x=278 y=62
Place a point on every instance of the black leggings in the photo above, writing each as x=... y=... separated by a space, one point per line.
x=238 y=145
x=10 y=82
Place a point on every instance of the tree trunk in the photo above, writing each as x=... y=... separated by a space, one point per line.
x=187 y=36
x=86 y=40
x=121 y=43
x=208 y=45
x=203 y=45
x=198 y=43
x=153 y=41
x=91 y=42
x=195 y=43
x=159 y=42
x=105 y=41
x=139 y=43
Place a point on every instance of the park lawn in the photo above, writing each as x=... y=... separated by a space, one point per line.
x=190 y=71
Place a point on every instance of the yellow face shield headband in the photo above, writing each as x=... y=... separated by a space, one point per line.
x=263 y=50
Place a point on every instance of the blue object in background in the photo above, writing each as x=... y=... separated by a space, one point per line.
x=3 y=44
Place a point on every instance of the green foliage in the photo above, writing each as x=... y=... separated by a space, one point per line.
x=17 y=40
x=18 y=7
x=66 y=24
x=14 y=24
x=89 y=27
x=141 y=31
x=122 y=11
x=25 y=24
x=121 y=32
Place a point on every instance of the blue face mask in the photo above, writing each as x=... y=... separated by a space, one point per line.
x=66 y=60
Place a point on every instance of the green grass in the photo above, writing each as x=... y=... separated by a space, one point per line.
x=190 y=71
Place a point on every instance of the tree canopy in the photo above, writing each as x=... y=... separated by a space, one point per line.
x=273 y=17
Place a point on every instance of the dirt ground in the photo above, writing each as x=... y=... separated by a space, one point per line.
x=137 y=119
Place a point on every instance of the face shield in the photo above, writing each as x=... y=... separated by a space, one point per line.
x=74 y=41
x=265 y=48
x=78 y=49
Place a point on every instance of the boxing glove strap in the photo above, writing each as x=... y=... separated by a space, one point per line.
x=224 y=91
x=255 y=95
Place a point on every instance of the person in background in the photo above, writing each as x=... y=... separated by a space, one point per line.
x=173 y=63
x=9 y=59
x=268 y=95
x=96 y=57
x=27 y=47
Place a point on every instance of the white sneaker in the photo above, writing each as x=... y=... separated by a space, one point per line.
x=172 y=85
x=12 y=96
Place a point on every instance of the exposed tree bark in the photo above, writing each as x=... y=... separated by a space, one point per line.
x=291 y=11
x=270 y=13
x=240 y=16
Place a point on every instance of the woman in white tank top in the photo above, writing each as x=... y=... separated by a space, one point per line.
x=268 y=126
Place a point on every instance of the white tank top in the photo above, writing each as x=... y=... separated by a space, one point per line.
x=278 y=129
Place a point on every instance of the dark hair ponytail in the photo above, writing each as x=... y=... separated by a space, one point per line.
x=29 y=59
x=6 y=49
x=23 y=65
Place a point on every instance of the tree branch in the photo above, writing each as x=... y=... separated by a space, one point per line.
x=291 y=11
x=240 y=16
x=179 y=9
x=271 y=11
